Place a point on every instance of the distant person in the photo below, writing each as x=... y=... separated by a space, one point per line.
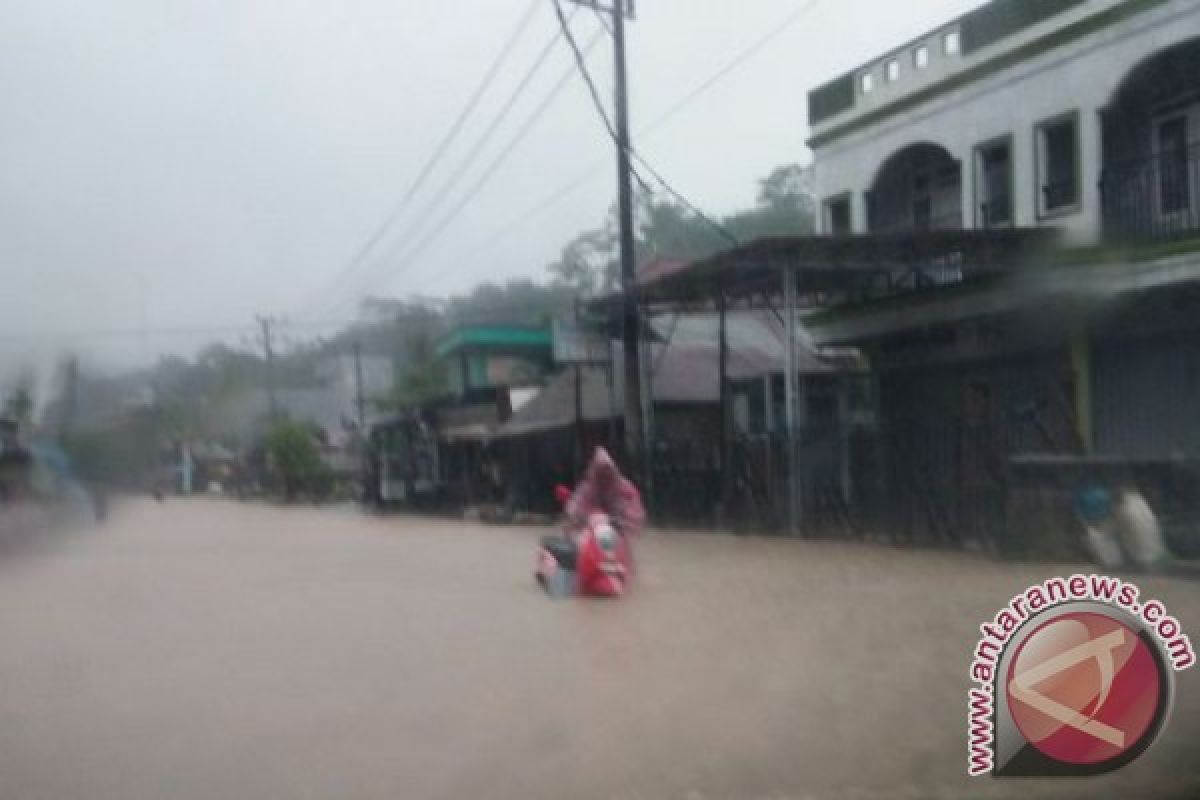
x=16 y=463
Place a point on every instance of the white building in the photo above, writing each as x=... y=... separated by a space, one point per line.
x=1081 y=114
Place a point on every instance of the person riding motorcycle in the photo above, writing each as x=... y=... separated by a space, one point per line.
x=604 y=489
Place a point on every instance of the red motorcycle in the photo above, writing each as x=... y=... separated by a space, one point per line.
x=596 y=561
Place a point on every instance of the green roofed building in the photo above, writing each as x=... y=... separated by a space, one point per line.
x=487 y=359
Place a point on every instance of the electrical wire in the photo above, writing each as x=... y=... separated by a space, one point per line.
x=581 y=65
x=552 y=199
x=586 y=75
x=491 y=129
x=164 y=332
x=485 y=177
x=367 y=247
x=731 y=66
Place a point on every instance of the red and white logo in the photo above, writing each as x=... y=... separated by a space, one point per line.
x=1085 y=689
x=1072 y=678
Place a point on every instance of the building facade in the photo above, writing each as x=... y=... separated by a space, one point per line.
x=1077 y=115
x=1080 y=114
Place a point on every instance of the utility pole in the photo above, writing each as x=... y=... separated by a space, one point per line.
x=72 y=394
x=580 y=455
x=143 y=335
x=635 y=425
x=359 y=400
x=268 y=351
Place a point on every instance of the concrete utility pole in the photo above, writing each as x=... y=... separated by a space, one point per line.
x=359 y=400
x=269 y=352
x=72 y=394
x=635 y=431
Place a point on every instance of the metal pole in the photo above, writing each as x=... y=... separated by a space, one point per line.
x=789 y=388
x=610 y=375
x=723 y=390
x=359 y=400
x=635 y=439
x=265 y=323
x=72 y=394
x=646 y=352
x=143 y=334
x=579 y=434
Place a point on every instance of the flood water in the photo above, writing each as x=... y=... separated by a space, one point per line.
x=207 y=649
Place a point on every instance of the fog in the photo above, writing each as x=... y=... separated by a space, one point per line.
x=168 y=170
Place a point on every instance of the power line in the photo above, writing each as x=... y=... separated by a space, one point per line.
x=581 y=65
x=738 y=60
x=688 y=204
x=471 y=194
x=165 y=332
x=382 y=229
x=742 y=57
x=491 y=129
x=599 y=105
x=119 y=333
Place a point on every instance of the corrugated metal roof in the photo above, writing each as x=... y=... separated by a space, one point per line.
x=756 y=341
x=685 y=370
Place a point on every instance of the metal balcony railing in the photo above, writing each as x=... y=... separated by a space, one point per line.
x=1059 y=195
x=997 y=212
x=917 y=223
x=1154 y=198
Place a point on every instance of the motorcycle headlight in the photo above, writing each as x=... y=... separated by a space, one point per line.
x=606 y=537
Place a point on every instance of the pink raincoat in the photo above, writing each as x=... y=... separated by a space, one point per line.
x=604 y=489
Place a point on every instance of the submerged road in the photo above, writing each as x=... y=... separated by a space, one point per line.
x=206 y=649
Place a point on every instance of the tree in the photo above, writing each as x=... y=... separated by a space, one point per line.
x=668 y=229
x=786 y=206
x=788 y=187
x=292 y=448
x=19 y=405
x=516 y=302
x=588 y=263
x=424 y=377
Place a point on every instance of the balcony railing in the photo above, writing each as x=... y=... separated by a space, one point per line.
x=918 y=223
x=1153 y=199
x=1059 y=195
x=997 y=212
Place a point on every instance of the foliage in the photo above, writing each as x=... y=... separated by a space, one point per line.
x=668 y=229
x=296 y=459
x=416 y=327
x=19 y=404
x=587 y=264
x=517 y=302
x=424 y=376
x=201 y=398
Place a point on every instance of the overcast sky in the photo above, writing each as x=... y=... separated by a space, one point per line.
x=207 y=160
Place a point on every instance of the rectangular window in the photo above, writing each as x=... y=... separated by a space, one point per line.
x=951 y=43
x=993 y=183
x=867 y=83
x=921 y=57
x=892 y=70
x=1058 y=164
x=1174 y=182
x=837 y=216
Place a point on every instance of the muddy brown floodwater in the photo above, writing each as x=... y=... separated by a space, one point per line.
x=205 y=649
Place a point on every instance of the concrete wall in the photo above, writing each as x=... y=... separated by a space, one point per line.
x=1079 y=77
